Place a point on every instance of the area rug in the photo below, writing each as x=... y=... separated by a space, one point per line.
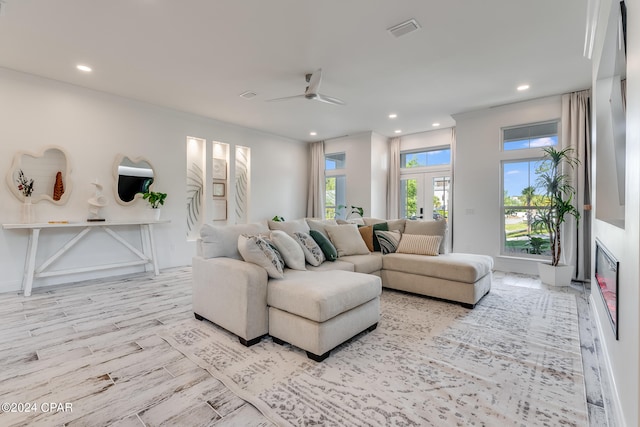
x=513 y=360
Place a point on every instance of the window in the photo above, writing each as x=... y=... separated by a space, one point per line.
x=335 y=189
x=425 y=158
x=521 y=198
x=334 y=161
x=530 y=136
x=335 y=184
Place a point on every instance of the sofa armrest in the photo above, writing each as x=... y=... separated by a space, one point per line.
x=232 y=294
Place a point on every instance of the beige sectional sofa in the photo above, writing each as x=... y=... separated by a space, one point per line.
x=317 y=307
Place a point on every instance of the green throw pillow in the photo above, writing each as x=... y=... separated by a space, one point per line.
x=330 y=251
x=383 y=226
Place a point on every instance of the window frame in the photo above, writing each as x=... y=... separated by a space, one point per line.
x=443 y=166
x=534 y=155
x=334 y=173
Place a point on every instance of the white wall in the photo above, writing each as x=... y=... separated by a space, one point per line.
x=367 y=159
x=379 y=172
x=93 y=127
x=477 y=194
x=623 y=355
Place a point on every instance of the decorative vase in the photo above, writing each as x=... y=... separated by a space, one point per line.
x=156 y=213
x=26 y=212
x=556 y=276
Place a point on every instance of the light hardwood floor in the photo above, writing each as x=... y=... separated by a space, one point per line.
x=92 y=349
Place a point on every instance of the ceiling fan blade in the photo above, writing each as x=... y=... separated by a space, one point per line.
x=328 y=99
x=285 y=98
x=314 y=82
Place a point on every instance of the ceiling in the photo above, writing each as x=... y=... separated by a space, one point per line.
x=198 y=56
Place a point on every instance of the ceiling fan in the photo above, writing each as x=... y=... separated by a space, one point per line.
x=312 y=91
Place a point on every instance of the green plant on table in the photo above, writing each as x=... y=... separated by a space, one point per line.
x=155 y=199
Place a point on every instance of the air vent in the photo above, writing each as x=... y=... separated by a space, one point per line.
x=404 y=28
x=248 y=94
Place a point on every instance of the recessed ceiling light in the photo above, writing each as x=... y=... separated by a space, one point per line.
x=398 y=131
x=393 y=115
x=313 y=133
x=435 y=125
x=523 y=87
x=84 y=68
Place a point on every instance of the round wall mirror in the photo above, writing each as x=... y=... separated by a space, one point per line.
x=132 y=177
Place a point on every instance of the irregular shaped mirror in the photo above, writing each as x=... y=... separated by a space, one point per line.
x=132 y=177
x=41 y=176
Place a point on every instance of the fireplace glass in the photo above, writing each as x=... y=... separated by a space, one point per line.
x=607 y=280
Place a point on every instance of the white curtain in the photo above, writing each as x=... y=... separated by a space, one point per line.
x=576 y=133
x=315 y=202
x=393 y=179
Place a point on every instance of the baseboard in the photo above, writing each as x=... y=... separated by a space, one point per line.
x=617 y=415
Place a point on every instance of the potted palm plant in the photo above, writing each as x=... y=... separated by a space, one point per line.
x=557 y=204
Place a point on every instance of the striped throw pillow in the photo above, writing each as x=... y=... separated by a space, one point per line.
x=388 y=240
x=419 y=244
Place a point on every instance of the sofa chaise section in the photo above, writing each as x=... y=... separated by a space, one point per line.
x=460 y=277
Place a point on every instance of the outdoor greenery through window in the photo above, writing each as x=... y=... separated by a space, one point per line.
x=521 y=201
x=523 y=198
x=334 y=195
x=416 y=159
x=530 y=136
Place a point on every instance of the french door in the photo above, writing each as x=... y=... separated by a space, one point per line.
x=425 y=195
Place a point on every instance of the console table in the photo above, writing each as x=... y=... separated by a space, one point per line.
x=146 y=256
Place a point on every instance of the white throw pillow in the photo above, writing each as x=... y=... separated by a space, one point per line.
x=312 y=251
x=419 y=244
x=347 y=239
x=289 y=249
x=256 y=250
x=222 y=240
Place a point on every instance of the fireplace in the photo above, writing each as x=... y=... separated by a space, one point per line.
x=607 y=280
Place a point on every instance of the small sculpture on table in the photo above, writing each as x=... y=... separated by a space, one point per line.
x=96 y=202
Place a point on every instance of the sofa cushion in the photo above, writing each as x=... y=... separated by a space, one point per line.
x=222 y=240
x=459 y=267
x=388 y=240
x=312 y=251
x=289 y=249
x=429 y=228
x=320 y=224
x=370 y=263
x=392 y=224
x=330 y=251
x=347 y=239
x=419 y=244
x=290 y=227
x=322 y=295
x=335 y=265
x=256 y=250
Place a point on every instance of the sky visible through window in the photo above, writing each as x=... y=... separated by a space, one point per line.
x=426 y=158
x=521 y=144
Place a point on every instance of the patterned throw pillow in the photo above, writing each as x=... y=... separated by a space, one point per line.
x=419 y=244
x=312 y=252
x=289 y=249
x=257 y=250
x=383 y=226
x=330 y=251
x=388 y=240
